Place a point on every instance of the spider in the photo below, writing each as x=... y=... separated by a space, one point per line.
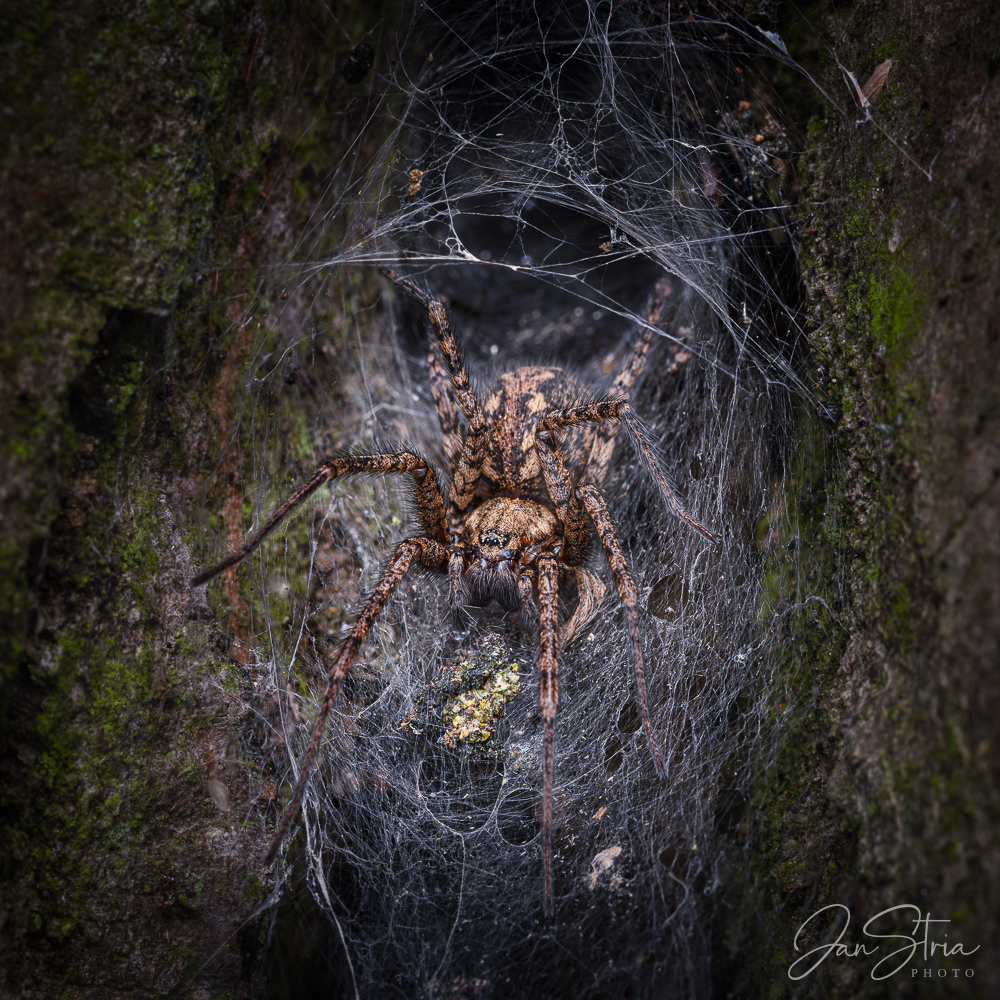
x=525 y=489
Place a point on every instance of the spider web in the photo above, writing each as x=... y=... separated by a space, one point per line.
x=541 y=167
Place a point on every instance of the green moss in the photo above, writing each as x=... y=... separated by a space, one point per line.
x=871 y=793
x=137 y=200
x=897 y=305
x=899 y=620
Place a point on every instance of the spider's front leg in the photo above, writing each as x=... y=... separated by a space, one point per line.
x=598 y=511
x=429 y=500
x=429 y=553
x=548 y=666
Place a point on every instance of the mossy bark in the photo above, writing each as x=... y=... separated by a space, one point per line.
x=155 y=162
x=883 y=787
x=158 y=157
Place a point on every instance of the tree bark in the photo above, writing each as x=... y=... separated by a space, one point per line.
x=883 y=786
x=156 y=162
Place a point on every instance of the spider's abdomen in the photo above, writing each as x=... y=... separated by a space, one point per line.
x=514 y=409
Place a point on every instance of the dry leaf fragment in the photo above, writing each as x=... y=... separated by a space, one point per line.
x=877 y=81
x=268 y=789
x=711 y=186
x=603 y=860
x=219 y=791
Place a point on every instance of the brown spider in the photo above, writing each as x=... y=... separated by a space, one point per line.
x=516 y=520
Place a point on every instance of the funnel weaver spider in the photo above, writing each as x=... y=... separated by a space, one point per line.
x=525 y=489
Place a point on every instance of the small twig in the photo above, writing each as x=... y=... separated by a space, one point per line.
x=253 y=55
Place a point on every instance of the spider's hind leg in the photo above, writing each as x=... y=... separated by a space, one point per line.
x=604 y=442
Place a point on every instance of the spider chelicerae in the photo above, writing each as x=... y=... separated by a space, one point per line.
x=525 y=490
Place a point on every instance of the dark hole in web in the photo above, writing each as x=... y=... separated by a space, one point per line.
x=669 y=596
x=510 y=231
x=629 y=718
x=559 y=319
x=613 y=756
x=516 y=817
x=459 y=790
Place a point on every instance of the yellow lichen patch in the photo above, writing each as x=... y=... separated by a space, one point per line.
x=465 y=703
x=474 y=713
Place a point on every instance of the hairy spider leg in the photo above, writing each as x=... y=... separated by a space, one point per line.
x=598 y=511
x=589 y=496
x=444 y=403
x=576 y=532
x=548 y=691
x=621 y=410
x=467 y=468
x=429 y=500
x=604 y=443
x=429 y=553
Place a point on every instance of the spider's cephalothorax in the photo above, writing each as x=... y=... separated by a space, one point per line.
x=526 y=473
